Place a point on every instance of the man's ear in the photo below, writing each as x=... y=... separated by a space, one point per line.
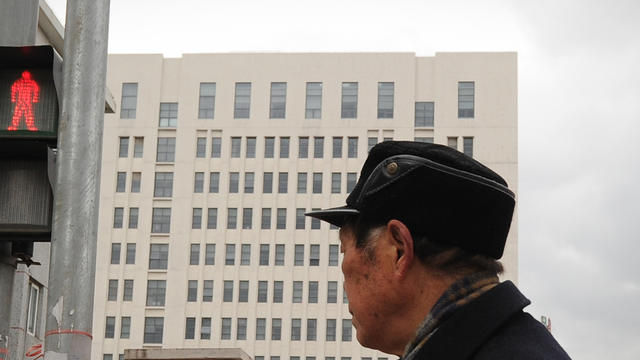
x=403 y=242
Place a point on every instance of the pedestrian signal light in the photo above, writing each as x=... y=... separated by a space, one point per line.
x=29 y=102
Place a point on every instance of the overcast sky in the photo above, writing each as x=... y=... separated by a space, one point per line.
x=579 y=123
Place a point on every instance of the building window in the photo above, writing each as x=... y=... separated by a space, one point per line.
x=333 y=255
x=278 y=100
x=241 y=331
x=216 y=147
x=467 y=146
x=247 y=218
x=261 y=324
x=125 y=327
x=251 y=147
x=136 y=178
x=248 y=182
x=423 y=139
x=300 y=219
x=315 y=223
x=279 y=258
x=313 y=292
x=296 y=324
x=163 y=184
x=332 y=292
x=236 y=146
x=336 y=180
x=264 y=254
x=227 y=295
x=115 y=253
x=232 y=218
x=303 y=147
x=346 y=329
x=243 y=291
x=230 y=254
x=118 y=215
x=121 y=181
x=206 y=106
x=312 y=325
x=314 y=255
x=331 y=330
x=302 y=183
x=466 y=99
x=298 y=257
x=131 y=254
x=158 y=256
x=352 y=150
x=234 y=179
x=207 y=291
x=242 y=101
x=349 y=100
x=198 y=183
x=283 y=182
x=452 y=142
x=385 y=100
x=262 y=291
x=277 y=291
x=192 y=291
x=212 y=218
x=281 y=220
x=313 y=107
x=161 y=220
x=127 y=292
x=190 y=328
x=269 y=146
x=112 y=294
x=276 y=328
x=156 y=290
x=245 y=254
x=138 y=147
x=210 y=254
x=424 y=114
x=123 y=151
x=267 y=183
x=153 y=327
x=265 y=223
x=201 y=147
x=351 y=181
x=297 y=292
x=337 y=147
x=196 y=218
x=318 y=147
x=194 y=254
x=166 y=149
x=284 y=147
x=168 y=115
x=214 y=182
x=371 y=142
x=110 y=327
x=129 y=100
x=317 y=183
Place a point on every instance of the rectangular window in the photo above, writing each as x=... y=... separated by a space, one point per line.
x=261 y=325
x=242 y=103
x=153 y=327
x=205 y=328
x=333 y=254
x=241 y=332
x=297 y=292
x=227 y=295
x=110 y=327
x=225 y=331
x=318 y=147
x=136 y=178
x=269 y=147
x=115 y=253
x=331 y=330
x=267 y=183
x=385 y=100
x=234 y=179
x=302 y=183
x=161 y=220
x=296 y=324
x=166 y=149
x=317 y=183
x=210 y=254
x=207 y=291
x=243 y=291
x=214 y=182
x=423 y=139
x=262 y=291
x=131 y=254
x=337 y=147
x=332 y=292
x=123 y=150
x=265 y=223
x=212 y=218
x=312 y=325
x=424 y=114
x=121 y=182
x=313 y=292
x=198 y=183
x=247 y=218
x=277 y=291
x=194 y=254
x=206 y=105
x=216 y=147
x=283 y=182
x=351 y=181
x=303 y=147
x=313 y=105
x=129 y=100
x=371 y=142
x=163 y=184
x=352 y=150
x=230 y=254
x=251 y=147
x=245 y=254
x=452 y=142
x=349 y=100
x=281 y=220
x=118 y=215
x=158 y=256
x=336 y=182
x=232 y=218
x=278 y=100
x=156 y=290
x=284 y=147
x=248 y=182
x=279 y=258
x=127 y=292
x=196 y=218
x=346 y=329
x=236 y=146
x=298 y=257
x=315 y=223
x=264 y=254
x=138 y=147
x=192 y=291
x=300 y=219
x=201 y=147
x=112 y=294
x=190 y=328
x=314 y=255
x=125 y=327
x=168 y=115
x=466 y=99
x=276 y=329
x=467 y=146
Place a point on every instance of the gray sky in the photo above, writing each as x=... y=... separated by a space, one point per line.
x=579 y=106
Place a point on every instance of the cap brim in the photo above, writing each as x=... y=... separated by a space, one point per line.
x=336 y=216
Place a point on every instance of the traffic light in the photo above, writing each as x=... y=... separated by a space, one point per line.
x=30 y=84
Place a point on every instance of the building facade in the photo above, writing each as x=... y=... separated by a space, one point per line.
x=211 y=160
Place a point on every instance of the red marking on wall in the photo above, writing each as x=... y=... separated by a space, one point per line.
x=24 y=92
x=74 y=332
x=35 y=352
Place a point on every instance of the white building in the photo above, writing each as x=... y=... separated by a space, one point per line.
x=211 y=161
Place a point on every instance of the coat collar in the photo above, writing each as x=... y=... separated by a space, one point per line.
x=468 y=328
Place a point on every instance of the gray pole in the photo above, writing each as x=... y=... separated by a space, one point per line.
x=75 y=218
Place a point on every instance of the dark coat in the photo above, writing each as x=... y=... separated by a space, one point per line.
x=493 y=327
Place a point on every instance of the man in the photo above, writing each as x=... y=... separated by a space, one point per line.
x=421 y=234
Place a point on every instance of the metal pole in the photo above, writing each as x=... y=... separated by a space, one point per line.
x=75 y=219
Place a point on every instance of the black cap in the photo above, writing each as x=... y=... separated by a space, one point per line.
x=436 y=191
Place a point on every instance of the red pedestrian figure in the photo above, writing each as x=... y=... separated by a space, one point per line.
x=24 y=92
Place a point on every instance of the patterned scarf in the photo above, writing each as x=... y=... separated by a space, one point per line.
x=459 y=294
